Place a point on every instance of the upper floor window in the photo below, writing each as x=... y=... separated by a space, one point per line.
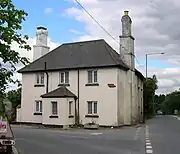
x=92 y=76
x=64 y=77
x=40 y=78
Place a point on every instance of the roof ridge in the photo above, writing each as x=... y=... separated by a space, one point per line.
x=107 y=45
x=116 y=60
x=87 y=41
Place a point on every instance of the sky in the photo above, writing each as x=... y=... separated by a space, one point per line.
x=155 y=26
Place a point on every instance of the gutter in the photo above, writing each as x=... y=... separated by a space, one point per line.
x=78 y=96
x=47 y=75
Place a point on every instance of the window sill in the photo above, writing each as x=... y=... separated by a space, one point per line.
x=91 y=116
x=39 y=85
x=64 y=84
x=53 y=116
x=71 y=116
x=92 y=84
x=37 y=113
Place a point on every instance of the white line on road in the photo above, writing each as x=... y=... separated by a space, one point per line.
x=177 y=117
x=149 y=149
x=137 y=133
x=96 y=133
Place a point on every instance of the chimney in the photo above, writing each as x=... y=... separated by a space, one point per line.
x=40 y=48
x=41 y=36
x=127 y=41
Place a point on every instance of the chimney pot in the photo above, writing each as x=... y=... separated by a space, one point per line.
x=40 y=27
x=126 y=12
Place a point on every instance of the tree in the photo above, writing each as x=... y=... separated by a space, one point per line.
x=159 y=99
x=171 y=103
x=10 y=26
x=15 y=97
x=150 y=86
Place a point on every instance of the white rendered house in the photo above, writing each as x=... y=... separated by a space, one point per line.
x=82 y=82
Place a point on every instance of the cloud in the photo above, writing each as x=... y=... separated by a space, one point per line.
x=75 y=32
x=155 y=28
x=168 y=78
x=31 y=42
x=48 y=10
x=27 y=54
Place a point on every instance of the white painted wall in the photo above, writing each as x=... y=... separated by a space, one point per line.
x=28 y=97
x=63 y=112
x=137 y=106
x=122 y=96
x=18 y=115
x=129 y=111
x=107 y=103
x=113 y=106
x=106 y=97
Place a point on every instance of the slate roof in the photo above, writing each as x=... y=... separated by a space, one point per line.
x=87 y=54
x=59 y=93
x=79 y=55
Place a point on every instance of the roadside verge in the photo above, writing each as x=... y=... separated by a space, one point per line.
x=14 y=150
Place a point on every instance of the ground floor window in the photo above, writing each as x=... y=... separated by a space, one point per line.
x=70 y=107
x=54 y=108
x=38 y=106
x=92 y=107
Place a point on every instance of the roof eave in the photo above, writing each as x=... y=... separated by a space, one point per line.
x=139 y=74
x=65 y=96
x=104 y=66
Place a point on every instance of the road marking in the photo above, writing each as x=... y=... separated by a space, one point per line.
x=149 y=151
x=137 y=133
x=96 y=133
x=177 y=117
x=149 y=148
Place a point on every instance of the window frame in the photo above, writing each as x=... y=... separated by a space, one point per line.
x=39 y=102
x=70 y=108
x=92 y=108
x=52 y=111
x=92 y=76
x=65 y=77
x=39 y=78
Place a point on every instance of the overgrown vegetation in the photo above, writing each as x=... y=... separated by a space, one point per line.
x=169 y=103
x=11 y=20
x=14 y=97
x=150 y=87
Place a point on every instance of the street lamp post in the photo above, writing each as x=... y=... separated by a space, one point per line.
x=147 y=59
x=147 y=70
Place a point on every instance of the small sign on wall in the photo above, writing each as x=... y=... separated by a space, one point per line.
x=111 y=85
